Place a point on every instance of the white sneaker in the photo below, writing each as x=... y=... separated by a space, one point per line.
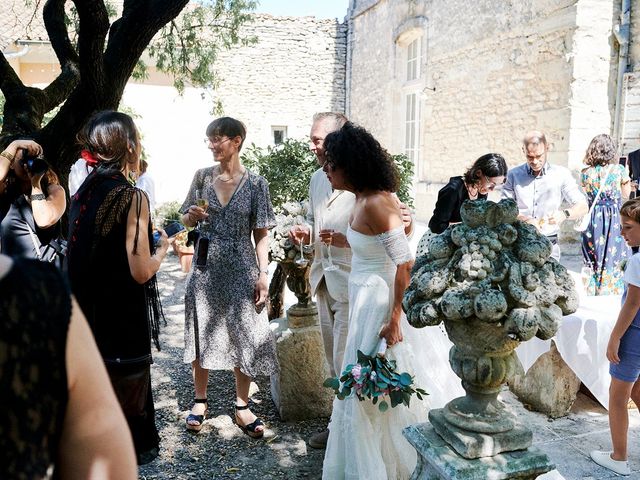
x=604 y=459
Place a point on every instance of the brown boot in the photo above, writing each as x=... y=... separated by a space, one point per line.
x=319 y=440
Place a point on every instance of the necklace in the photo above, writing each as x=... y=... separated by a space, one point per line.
x=227 y=180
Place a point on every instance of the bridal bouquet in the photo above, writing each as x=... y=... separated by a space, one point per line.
x=375 y=377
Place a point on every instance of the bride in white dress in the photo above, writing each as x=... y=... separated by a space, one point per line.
x=365 y=443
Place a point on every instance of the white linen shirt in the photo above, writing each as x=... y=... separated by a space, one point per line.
x=542 y=195
x=329 y=208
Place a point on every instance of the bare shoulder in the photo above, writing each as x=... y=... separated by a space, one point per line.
x=382 y=212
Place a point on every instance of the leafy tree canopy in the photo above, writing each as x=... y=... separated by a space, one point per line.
x=99 y=45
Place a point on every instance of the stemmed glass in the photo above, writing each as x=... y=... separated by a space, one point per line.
x=301 y=261
x=202 y=203
x=586 y=272
x=327 y=263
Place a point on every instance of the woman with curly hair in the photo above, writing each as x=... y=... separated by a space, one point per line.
x=603 y=249
x=486 y=173
x=380 y=271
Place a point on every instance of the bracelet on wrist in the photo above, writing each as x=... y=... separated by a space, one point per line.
x=8 y=156
x=38 y=196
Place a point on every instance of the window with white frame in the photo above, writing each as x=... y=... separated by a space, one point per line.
x=412 y=127
x=413 y=60
x=279 y=134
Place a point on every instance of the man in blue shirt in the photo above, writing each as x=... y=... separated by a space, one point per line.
x=546 y=194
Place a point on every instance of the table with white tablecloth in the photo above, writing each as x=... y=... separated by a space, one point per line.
x=582 y=342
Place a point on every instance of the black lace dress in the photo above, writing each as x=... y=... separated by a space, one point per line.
x=123 y=314
x=35 y=309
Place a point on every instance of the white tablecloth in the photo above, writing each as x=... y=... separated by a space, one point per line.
x=582 y=342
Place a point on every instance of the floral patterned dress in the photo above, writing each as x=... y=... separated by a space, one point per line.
x=222 y=328
x=603 y=248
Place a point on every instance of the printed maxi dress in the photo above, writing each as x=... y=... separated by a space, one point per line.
x=222 y=328
x=603 y=248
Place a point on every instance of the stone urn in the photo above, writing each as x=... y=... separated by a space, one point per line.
x=491 y=282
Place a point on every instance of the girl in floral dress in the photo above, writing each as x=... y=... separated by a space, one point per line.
x=603 y=248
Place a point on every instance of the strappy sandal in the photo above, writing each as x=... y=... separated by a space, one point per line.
x=251 y=428
x=196 y=427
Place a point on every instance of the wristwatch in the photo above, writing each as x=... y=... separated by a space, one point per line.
x=567 y=213
x=38 y=196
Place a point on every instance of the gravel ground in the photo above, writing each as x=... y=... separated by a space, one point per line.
x=220 y=450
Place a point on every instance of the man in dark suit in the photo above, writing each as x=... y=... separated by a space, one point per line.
x=634 y=169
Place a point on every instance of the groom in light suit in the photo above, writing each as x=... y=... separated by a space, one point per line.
x=327 y=221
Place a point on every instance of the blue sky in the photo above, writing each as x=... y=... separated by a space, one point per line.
x=294 y=8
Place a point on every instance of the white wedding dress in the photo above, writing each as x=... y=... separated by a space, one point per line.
x=364 y=443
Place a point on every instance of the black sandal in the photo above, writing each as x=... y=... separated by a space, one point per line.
x=197 y=418
x=251 y=428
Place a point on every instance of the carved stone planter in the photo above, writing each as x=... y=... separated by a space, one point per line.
x=491 y=282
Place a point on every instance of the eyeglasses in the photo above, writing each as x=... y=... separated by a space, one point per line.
x=216 y=140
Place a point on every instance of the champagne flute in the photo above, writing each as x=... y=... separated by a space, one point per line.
x=301 y=261
x=202 y=203
x=586 y=273
x=327 y=263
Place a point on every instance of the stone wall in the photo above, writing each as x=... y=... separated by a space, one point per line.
x=498 y=70
x=296 y=68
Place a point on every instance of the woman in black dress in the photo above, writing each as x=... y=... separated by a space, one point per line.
x=112 y=268
x=59 y=414
x=486 y=173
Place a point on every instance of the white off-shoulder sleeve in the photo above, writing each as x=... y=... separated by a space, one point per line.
x=396 y=245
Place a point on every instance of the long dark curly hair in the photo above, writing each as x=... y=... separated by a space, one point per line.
x=365 y=163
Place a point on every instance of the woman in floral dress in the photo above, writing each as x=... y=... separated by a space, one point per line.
x=603 y=248
x=226 y=326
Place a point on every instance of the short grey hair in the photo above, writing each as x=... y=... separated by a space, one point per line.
x=534 y=137
x=338 y=118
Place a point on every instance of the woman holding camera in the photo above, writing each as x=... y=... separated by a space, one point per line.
x=32 y=200
x=225 y=325
x=112 y=269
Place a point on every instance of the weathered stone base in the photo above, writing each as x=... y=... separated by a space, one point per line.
x=476 y=445
x=549 y=387
x=438 y=461
x=297 y=389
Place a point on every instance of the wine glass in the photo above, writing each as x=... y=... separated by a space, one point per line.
x=301 y=261
x=326 y=235
x=586 y=273
x=202 y=203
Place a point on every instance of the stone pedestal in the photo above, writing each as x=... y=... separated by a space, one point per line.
x=438 y=461
x=472 y=444
x=549 y=387
x=297 y=389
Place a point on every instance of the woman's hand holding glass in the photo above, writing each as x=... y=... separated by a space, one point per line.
x=326 y=237
x=202 y=203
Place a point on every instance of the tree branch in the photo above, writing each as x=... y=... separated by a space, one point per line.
x=132 y=33
x=54 y=20
x=92 y=32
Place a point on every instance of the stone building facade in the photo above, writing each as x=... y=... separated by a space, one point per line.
x=449 y=81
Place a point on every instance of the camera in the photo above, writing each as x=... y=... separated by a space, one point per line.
x=35 y=165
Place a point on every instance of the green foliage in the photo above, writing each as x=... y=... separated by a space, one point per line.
x=287 y=167
x=374 y=377
x=187 y=47
x=405 y=170
x=168 y=212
